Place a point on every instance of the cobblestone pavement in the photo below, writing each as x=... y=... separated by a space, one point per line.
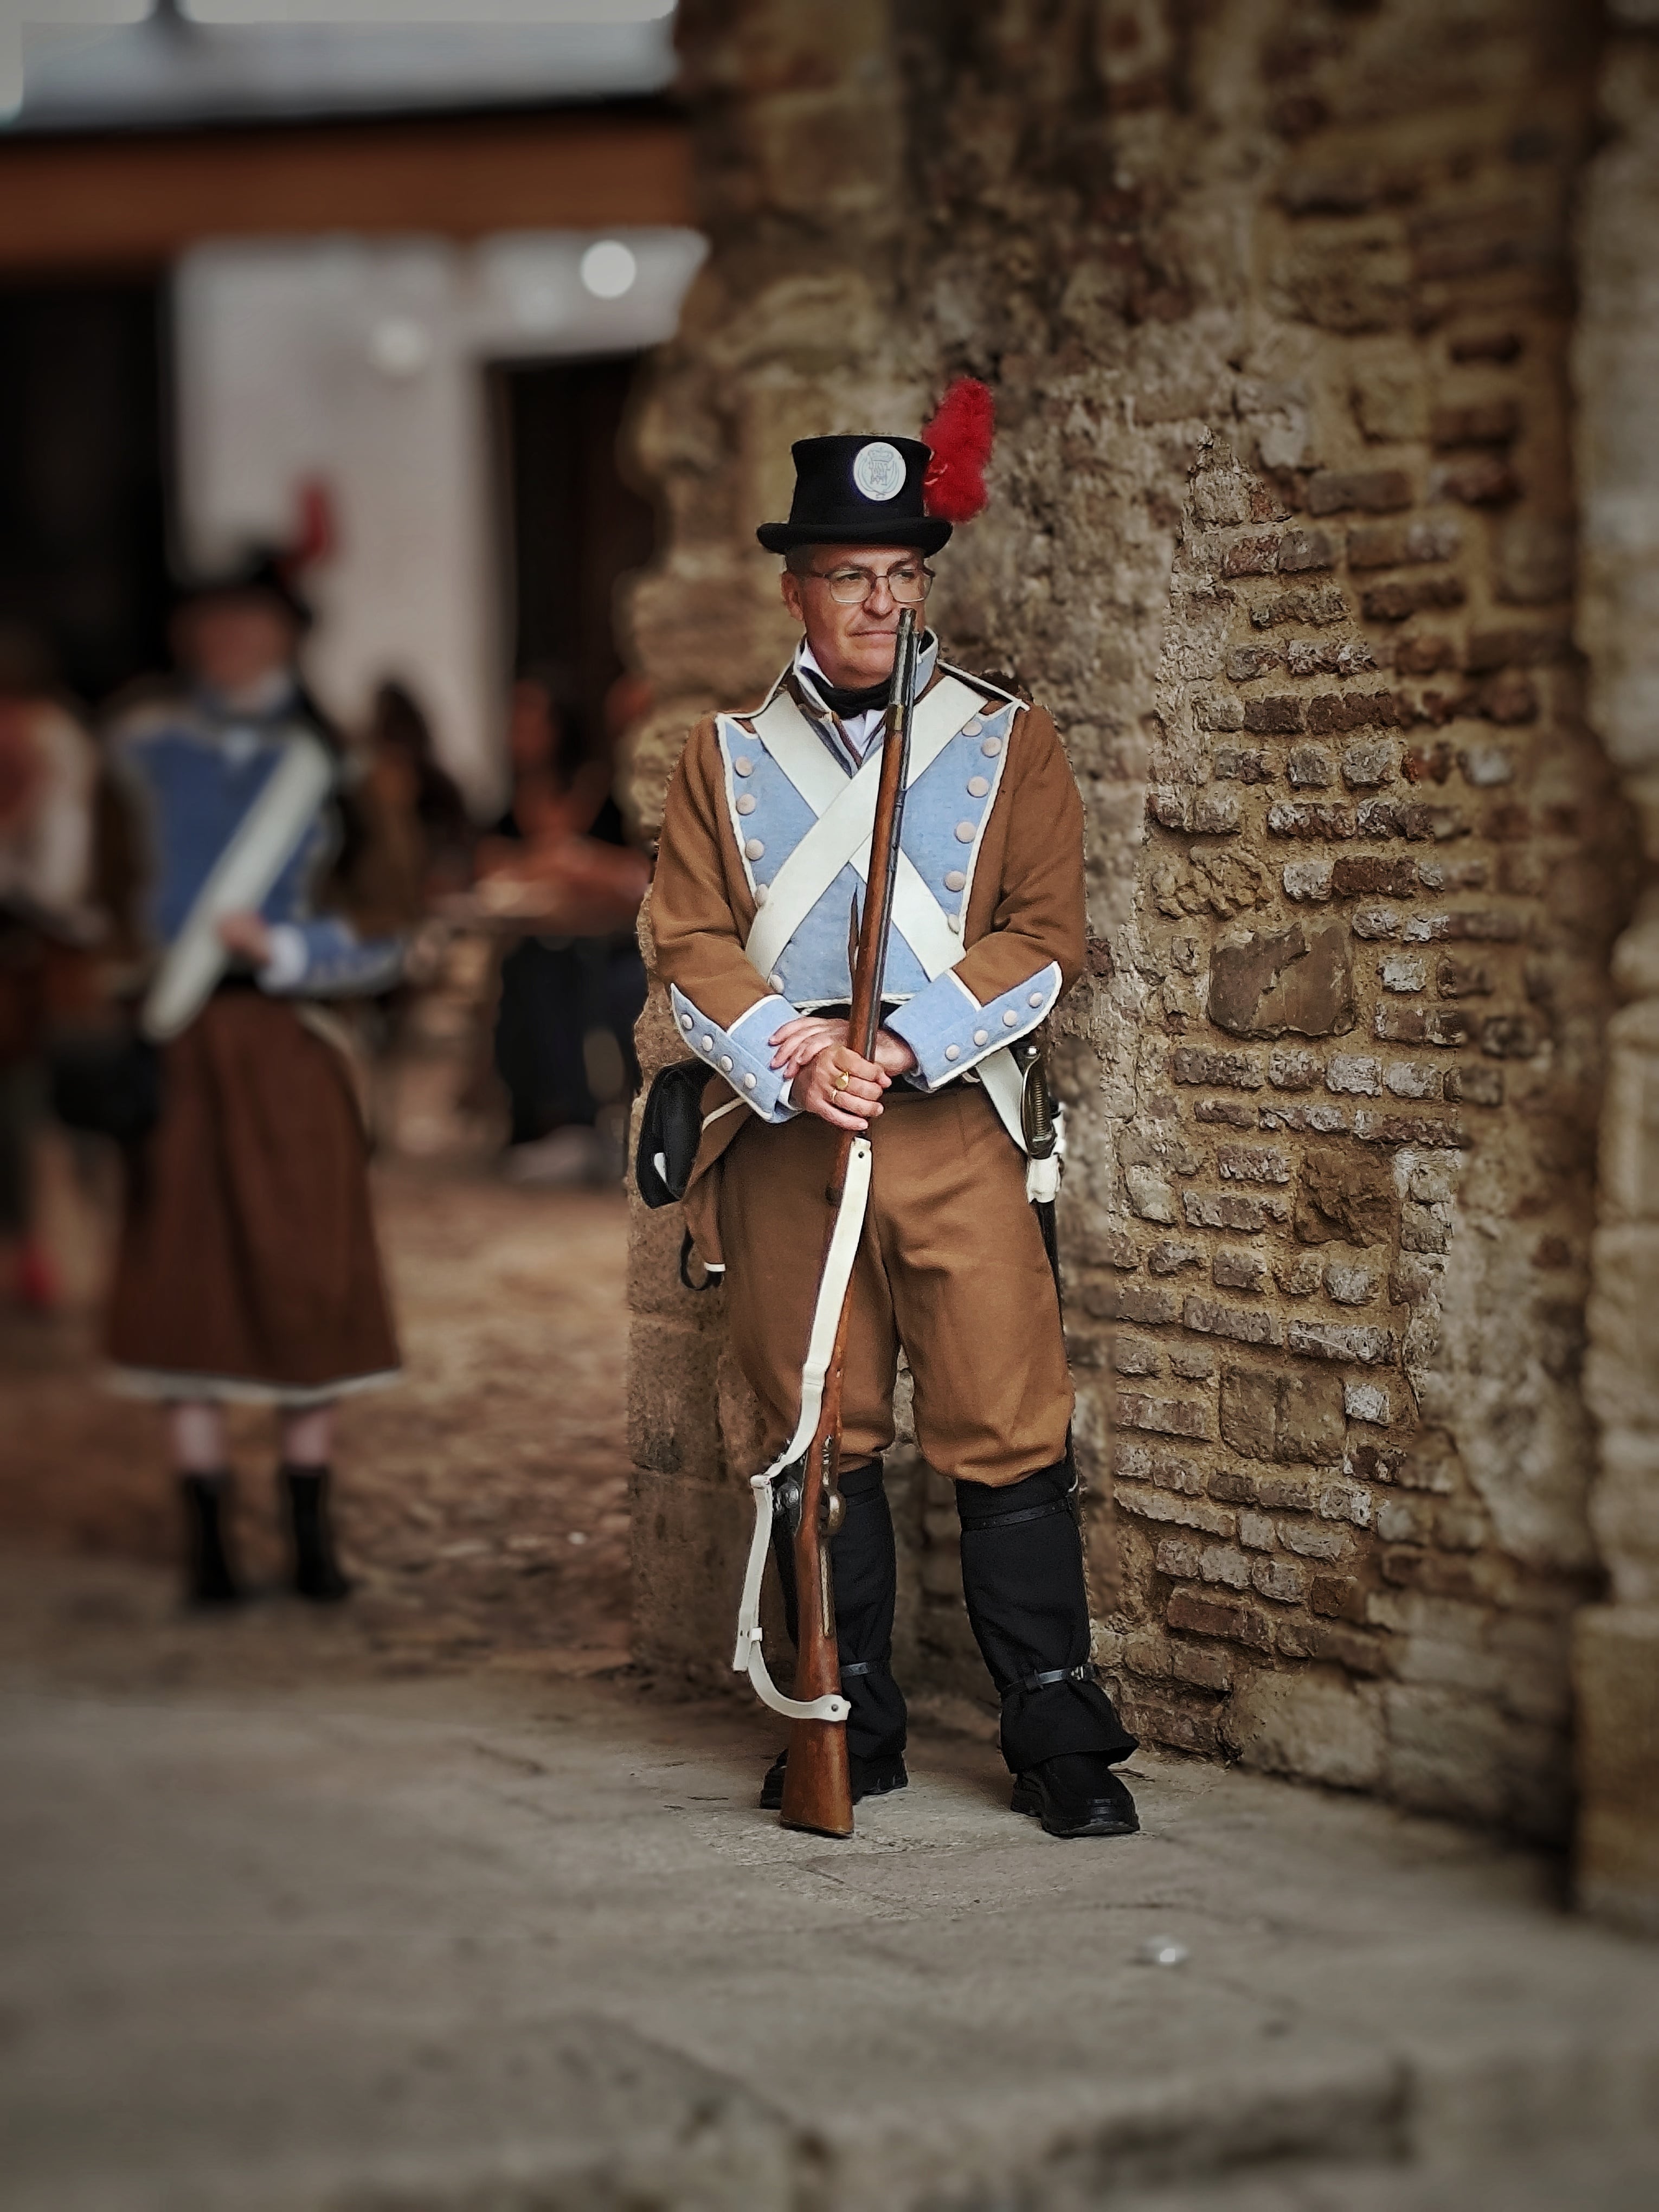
x=483 y=1501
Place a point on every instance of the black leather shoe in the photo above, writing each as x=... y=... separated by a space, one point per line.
x=870 y=1777
x=1076 y=1795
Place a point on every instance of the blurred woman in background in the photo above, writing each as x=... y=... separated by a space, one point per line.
x=248 y=1267
x=571 y=991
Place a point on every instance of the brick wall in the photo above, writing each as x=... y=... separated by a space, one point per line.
x=1276 y=300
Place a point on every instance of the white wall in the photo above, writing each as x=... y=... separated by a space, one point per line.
x=361 y=364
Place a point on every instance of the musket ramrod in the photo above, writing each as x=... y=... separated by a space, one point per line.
x=818 y=1791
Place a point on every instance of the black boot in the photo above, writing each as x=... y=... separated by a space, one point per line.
x=864 y=1571
x=1022 y=1576
x=211 y=1579
x=316 y=1573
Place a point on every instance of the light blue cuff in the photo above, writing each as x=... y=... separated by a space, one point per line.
x=287 y=962
x=948 y=1029
x=745 y=1059
x=327 y=959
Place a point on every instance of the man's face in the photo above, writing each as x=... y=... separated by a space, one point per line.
x=232 y=640
x=853 y=645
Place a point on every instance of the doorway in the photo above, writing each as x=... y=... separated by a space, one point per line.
x=575 y=528
x=83 y=567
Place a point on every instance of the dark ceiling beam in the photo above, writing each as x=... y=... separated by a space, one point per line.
x=136 y=201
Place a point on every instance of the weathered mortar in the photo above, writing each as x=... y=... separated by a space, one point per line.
x=1274 y=301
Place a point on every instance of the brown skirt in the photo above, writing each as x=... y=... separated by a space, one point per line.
x=247 y=1266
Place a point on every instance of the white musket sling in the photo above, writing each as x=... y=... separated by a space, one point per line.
x=239 y=882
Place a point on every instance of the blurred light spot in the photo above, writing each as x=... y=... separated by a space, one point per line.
x=609 y=269
x=1163 y=1951
x=578 y=1536
x=399 y=347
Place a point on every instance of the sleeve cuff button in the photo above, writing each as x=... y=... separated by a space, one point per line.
x=705 y=1044
x=1035 y=1000
x=685 y=1021
x=953 y=1052
x=981 y=1036
x=1010 y=1018
x=726 y=1063
x=748 y=1082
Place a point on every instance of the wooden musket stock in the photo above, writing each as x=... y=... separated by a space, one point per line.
x=818 y=1791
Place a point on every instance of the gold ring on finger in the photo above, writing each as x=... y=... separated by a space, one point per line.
x=842 y=1080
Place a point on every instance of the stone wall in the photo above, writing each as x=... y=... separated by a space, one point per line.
x=1275 y=300
x=1617 y=366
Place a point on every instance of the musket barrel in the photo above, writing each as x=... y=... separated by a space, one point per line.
x=817 y=1787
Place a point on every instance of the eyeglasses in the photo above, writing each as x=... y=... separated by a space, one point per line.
x=850 y=587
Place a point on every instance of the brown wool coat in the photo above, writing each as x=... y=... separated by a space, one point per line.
x=1026 y=906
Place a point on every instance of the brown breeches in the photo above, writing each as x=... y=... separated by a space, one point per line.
x=952 y=1268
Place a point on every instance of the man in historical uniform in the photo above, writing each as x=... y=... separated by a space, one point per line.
x=758 y=877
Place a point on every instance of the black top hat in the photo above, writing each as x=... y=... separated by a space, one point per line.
x=858 y=491
x=261 y=574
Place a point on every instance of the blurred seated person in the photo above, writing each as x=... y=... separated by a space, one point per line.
x=571 y=988
x=421 y=815
x=247 y=1267
x=48 y=776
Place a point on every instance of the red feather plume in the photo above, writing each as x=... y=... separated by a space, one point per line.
x=960 y=435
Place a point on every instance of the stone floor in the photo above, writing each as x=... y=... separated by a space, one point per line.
x=287 y=1930
x=433 y=1905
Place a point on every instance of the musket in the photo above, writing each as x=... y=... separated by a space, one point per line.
x=818 y=1791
